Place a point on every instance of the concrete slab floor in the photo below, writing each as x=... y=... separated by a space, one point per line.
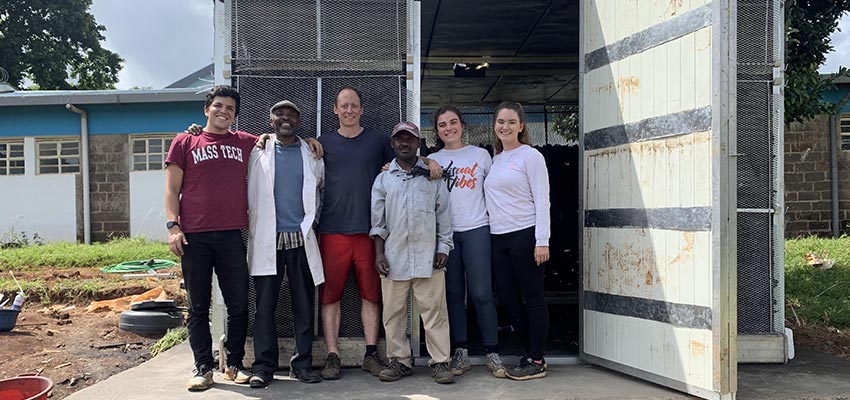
x=811 y=376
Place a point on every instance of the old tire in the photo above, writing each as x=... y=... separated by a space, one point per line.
x=147 y=322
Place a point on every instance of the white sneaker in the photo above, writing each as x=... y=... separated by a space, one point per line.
x=202 y=380
x=460 y=361
x=237 y=374
x=495 y=365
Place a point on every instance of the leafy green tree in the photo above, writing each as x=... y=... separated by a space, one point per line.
x=564 y=121
x=55 y=44
x=808 y=25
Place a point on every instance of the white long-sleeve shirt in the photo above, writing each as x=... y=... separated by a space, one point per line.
x=517 y=192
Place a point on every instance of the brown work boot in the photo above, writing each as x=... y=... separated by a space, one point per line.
x=442 y=373
x=395 y=371
x=373 y=364
x=332 y=367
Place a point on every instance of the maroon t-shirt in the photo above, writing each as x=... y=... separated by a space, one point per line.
x=214 y=195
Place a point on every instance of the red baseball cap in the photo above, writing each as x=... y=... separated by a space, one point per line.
x=408 y=127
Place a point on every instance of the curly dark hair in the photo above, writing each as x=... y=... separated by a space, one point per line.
x=222 y=91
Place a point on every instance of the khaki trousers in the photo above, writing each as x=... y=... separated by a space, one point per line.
x=429 y=297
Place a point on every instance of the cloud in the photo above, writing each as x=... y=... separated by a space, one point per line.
x=841 y=47
x=161 y=41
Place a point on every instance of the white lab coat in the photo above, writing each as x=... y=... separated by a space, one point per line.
x=262 y=218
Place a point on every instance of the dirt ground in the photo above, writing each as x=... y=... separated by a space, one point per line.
x=828 y=340
x=56 y=338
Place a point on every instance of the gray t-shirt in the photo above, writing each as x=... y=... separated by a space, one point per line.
x=351 y=165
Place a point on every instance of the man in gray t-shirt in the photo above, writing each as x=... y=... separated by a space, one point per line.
x=353 y=157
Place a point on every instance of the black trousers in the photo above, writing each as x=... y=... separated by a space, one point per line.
x=518 y=278
x=223 y=252
x=294 y=264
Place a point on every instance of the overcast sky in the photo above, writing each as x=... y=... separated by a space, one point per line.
x=841 y=42
x=161 y=41
x=164 y=40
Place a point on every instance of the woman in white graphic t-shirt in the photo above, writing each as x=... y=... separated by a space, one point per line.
x=468 y=269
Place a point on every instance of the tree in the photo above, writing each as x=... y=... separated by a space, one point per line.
x=809 y=23
x=55 y=44
x=564 y=121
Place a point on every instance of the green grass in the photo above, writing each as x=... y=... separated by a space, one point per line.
x=172 y=338
x=72 y=255
x=73 y=290
x=818 y=297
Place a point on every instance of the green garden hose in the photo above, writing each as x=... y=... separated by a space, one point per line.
x=137 y=266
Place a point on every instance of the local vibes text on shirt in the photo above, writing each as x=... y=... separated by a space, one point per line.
x=463 y=178
x=216 y=151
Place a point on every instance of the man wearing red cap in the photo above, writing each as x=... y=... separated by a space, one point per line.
x=410 y=219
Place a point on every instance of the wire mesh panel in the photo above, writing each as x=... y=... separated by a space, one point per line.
x=305 y=51
x=384 y=101
x=318 y=37
x=760 y=295
x=258 y=94
x=547 y=125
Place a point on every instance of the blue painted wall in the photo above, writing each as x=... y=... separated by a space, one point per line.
x=835 y=95
x=104 y=119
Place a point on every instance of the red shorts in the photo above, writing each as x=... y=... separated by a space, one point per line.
x=339 y=253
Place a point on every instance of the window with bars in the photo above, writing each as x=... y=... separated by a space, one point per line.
x=58 y=156
x=12 y=157
x=845 y=131
x=149 y=151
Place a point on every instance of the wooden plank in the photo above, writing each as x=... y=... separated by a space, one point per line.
x=687 y=67
x=762 y=349
x=678 y=353
x=703 y=83
x=674 y=75
x=351 y=351
x=649 y=263
x=625 y=176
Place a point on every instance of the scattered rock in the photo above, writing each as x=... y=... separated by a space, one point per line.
x=58 y=314
x=66 y=276
x=819 y=262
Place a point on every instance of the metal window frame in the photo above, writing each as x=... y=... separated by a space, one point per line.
x=59 y=157
x=147 y=153
x=6 y=157
x=844 y=130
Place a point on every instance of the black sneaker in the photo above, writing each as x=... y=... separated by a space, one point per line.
x=527 y=369
x=395 y=371
x=260 y=379
x=306 y=375
x=332 y=367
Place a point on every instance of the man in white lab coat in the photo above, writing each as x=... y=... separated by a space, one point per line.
x=284 y=201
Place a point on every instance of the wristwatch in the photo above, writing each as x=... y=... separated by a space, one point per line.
x=171 y=224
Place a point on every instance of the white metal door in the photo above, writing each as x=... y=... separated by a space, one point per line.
x=658 y=181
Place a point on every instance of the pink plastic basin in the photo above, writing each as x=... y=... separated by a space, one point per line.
x=25 y=388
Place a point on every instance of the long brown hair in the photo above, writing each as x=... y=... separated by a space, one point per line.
x=523 y=134
x=438 y=143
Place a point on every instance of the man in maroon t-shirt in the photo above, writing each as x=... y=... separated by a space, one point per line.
x=206 y=201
